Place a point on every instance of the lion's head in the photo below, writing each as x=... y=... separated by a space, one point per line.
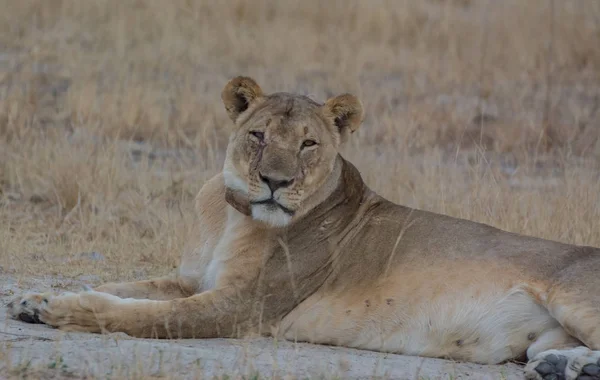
x=283 y=154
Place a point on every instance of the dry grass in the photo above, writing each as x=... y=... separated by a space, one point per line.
x=110 y=117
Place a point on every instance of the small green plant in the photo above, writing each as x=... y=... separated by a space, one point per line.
x=58 y=364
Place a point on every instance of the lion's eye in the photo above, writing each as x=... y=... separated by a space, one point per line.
x=308 y=143
x=259 y=135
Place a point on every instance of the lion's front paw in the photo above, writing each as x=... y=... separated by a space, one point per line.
x=577 y=363
x=28 y=307
x=85 y=312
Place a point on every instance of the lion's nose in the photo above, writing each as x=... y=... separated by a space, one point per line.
x=276 y=183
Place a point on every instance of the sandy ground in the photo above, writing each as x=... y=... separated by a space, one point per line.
x=37 y=351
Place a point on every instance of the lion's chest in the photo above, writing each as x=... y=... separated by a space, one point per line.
x=206 y=263
x=221 y=257
x=211 y=274
x=234 y=257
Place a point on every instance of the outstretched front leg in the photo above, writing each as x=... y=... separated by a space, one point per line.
x=162 y=288
x=28 y=307
x=60 y=310
x=210 y=314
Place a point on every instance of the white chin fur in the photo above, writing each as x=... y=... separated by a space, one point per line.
x=270 y=215
x=234 y=182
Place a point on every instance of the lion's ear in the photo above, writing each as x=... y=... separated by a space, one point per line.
x=239 y=94
x=347 y=113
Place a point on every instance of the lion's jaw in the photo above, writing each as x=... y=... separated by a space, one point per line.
x=277 y=209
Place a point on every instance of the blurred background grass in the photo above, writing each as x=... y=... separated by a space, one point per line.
x=111 y=120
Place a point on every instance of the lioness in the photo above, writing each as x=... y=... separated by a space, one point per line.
x=291 y=242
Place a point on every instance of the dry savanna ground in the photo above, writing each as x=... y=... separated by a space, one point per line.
x=111 y=120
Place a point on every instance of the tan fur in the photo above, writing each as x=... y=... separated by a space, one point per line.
x=329 y=261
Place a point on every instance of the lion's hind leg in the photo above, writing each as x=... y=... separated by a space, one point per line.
x=574 y=301
x=558 y=355
x=579 y=363
x=567 y=354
